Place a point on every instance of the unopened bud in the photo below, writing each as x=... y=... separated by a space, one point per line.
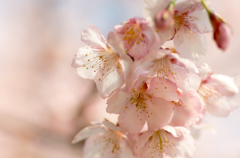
x=222 y=31
x=164 y=19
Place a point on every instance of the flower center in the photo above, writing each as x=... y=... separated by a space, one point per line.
x=164 y=69
x=207 y=91
x=106 y=61
x=132 y=35
x=110 y=143
x=160 y=143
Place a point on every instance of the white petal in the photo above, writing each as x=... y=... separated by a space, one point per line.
x=176 y=131
x=112 y=81
x=87 y=132
x=97 y=147
x=111 y=126
x=184 y=147
x=93 y=37
x=192 y=45
x=83 y=62
x=205 y=71
x=223 y=106
x=187 y=63
x=201 y=22
x=224 y=84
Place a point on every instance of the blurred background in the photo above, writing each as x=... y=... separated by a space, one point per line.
x=43 y=103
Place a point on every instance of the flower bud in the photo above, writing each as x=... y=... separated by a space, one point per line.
x=222 y=31
x=164 y=19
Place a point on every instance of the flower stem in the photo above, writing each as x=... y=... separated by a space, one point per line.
x=206 y=7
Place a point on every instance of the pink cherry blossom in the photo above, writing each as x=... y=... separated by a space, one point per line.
x=138 y=37
x=168 y=141
x=144 y=104
x=105 y=140
x=105 y=63
x=219 y=93
x=191 y=22
x=164 y=63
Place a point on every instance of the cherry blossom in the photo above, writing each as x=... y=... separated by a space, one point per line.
x=138 y=37
x=166 y=63
x=168 y=141
x=158 y=93
x=219 y=93
x=105 y=63
x=144 y=104
x=191 y=22
x=105 y=141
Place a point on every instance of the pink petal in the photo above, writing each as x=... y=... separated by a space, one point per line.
x=128 y=70
x=118 y=102
x=116 y=43
x=126 y=149
x=93 y=37
x=176 y=131
x=138 y=51
x=163 y=88
x=151 y=37
x=165 y=35
x=190 y=44
x=159 y=113
x=142 y=68
x=108 y=83
x=189 y=113
x=132 y=119
x=142 y=141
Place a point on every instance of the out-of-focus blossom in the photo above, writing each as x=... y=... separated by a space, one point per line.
x=104 y=140
x=103 y=62
x=138 y=37
x=168 y=141
x=222 y=31
x=219 y=93
x=164 y=19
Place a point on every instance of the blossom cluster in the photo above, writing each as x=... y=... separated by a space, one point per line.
x=158 y=92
